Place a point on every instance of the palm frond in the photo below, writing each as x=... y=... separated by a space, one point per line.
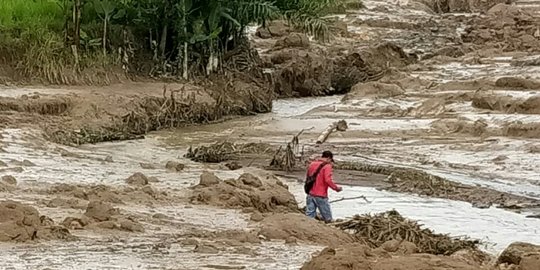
x=258 y=11
x=311 y=24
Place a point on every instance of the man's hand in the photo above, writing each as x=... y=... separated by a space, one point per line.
x=339 y=189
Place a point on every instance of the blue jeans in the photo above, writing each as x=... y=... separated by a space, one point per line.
x=313 y=203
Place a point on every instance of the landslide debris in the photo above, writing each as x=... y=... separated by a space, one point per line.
x=505 y=26
x=517 y=252
x=224 y=151
x=360 y=257
x=116 y=113
x=373 y=90
x=277 y=28
x=311 y=72
x=407 y=180
x=375 y=230
x=266 y=194
x=134 y=194
x=281 y=226
x=8 y=183
x=21 y=223
x=517 y=83
x=453 y=6
x=507 y=104
x=101 y=215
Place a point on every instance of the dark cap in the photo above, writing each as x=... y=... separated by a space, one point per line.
x=327 y=154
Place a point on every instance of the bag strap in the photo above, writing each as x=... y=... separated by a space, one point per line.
x=319 y=169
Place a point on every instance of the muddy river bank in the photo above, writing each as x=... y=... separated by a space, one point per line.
x=443 y=128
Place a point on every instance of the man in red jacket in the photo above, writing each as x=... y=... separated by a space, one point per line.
x=318 y=195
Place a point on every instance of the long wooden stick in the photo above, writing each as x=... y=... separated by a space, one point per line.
x=352 y=198
x=324 y=135
x=339 y=125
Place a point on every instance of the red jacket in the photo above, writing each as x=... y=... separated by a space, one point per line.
x=323 y=181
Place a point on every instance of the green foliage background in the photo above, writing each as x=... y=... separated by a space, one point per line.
x=172 y=34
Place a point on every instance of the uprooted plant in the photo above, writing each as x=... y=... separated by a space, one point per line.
x=374 y=230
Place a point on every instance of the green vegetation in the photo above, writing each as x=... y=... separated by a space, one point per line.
x=59 y=39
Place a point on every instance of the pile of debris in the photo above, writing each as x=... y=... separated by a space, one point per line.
x=223 y=151
x=409 y=180
x=305 y=71
x=507 y=27
x=248 y=191
x=101 y=215
x=507 y=104
x=400 y=255
x=21 y=223
x=374 y=230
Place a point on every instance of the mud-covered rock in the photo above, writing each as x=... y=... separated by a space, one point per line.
x=257 y=216
x=74 y=223
x=507 y=104
x=147 y=166
x=174 y=166
x=100 y=211
x=109 y=225
x=206 y=249
x=517 y=82
x=20 y=223
x=54 y=233
x=269 y=196
x=373 y=90
x=530 y=262
x=9 y=180
x=525 y=130
x=516 y=251
x=208 y=179
x=284 y=226
x=359 y=257
x=137 y=179
x=465 y=6
x=306 y=74
x=473 y=256
x=293 y=40
x=276 y=28
x=399 y=247
x=233 y=165
x=131 y=226
x=60 y=202
x=250 y=180
x=506 y=26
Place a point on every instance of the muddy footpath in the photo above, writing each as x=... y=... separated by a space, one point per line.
x=431 y=108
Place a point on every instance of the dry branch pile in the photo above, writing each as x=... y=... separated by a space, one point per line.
x=410 y=180
x=374 y=230
x=364 y=167
x=420 y=182
x=223 y=151
x=135 y=116
x=286 y=160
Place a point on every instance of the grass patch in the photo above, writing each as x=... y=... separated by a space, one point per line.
x=28 y=14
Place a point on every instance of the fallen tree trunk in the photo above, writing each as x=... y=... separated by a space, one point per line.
x=339 y=125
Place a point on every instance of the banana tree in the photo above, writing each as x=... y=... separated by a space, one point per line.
x=184 y=11
x=106 y=10
x=210 y=16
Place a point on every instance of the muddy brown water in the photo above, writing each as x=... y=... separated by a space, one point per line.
x=500 y=162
